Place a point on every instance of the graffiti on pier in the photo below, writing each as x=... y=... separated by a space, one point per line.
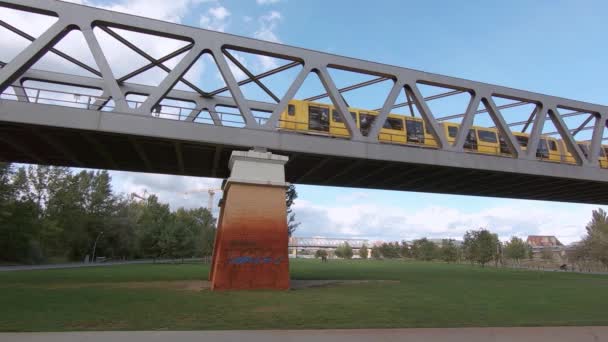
x=243 y=260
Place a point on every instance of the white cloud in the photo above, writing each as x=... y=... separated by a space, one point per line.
x=169 y=189
x=397 y=223
x=173 y=10
x=268 y=25
x=267 y=2
x=216 y=19
x=247 y=19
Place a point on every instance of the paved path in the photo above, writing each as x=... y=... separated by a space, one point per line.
x=97 y=264
x=555 y=334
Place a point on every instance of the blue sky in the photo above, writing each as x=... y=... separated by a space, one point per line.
x=552 y=47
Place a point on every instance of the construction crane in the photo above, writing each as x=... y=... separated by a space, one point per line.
x=211 y=193
x=143 y=197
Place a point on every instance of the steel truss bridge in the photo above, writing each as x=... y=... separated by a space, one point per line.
x=319 y=242
x=109 y=131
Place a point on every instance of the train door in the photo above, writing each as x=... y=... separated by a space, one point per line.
x=392 y=130
x=366 y=119
x=522 y=140
x=487 y=141
x=451 y=131
x=337 y=126
x=414 y=131
x=470 y=143
x=318 y=118
x=566 y=156
x=429 y=138
x=554 y=154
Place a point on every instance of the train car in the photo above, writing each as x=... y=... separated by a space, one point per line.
x=319 y=118
x=479 y=140
x=323 y=119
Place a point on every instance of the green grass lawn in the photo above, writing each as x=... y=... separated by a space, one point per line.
x=427 y=295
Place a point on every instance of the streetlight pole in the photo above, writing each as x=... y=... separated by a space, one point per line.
x=95 y=246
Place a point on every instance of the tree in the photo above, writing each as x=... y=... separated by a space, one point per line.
x=595 y=244
x=363 y=251
x=449 y=251
x=290 y=196
x=481 y=246
x=390 y=250
x=487 y=245
x=516 y=249
x=344 y=251
x=321 y=253
x=404 y=250
x=376 y=254
x=423 y=249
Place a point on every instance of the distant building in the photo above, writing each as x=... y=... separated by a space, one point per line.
x=306 y=247
x=542 y=243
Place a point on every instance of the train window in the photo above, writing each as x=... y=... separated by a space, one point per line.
x=585 y=149
x=291 y=110
x=603 y=152
x=318 y=118
x=522 y=140
x=392 y=123
x=543 y=149
x=365 y=122
x=471 y=142
x=553 y=145
x=452 y=131
x=338 y=118
x=605 y=149
x=415 y=131
x=487 y=136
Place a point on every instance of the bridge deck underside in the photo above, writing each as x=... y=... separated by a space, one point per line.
x=93 y=149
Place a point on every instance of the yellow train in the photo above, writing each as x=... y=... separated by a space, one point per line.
x=323 y=119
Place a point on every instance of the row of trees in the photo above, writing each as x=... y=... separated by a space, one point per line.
x=52 y=212
x=479 y=246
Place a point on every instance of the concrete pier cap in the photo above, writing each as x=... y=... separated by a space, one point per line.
x=257 y=167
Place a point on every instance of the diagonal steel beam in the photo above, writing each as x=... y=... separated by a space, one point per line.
x=153 y=61
x=250 y=75
x=582 y=125
x=530 y=118
x=258 y=76
x=28 y=57
x=169 y=82
x=53 y=50
x=235 y=91
x=349 y=88
x=153 y=64
x=108 y=77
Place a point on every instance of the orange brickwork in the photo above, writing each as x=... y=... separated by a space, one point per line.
x=250 y=249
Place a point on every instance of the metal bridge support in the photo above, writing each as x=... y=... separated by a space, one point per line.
x=250 y=250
